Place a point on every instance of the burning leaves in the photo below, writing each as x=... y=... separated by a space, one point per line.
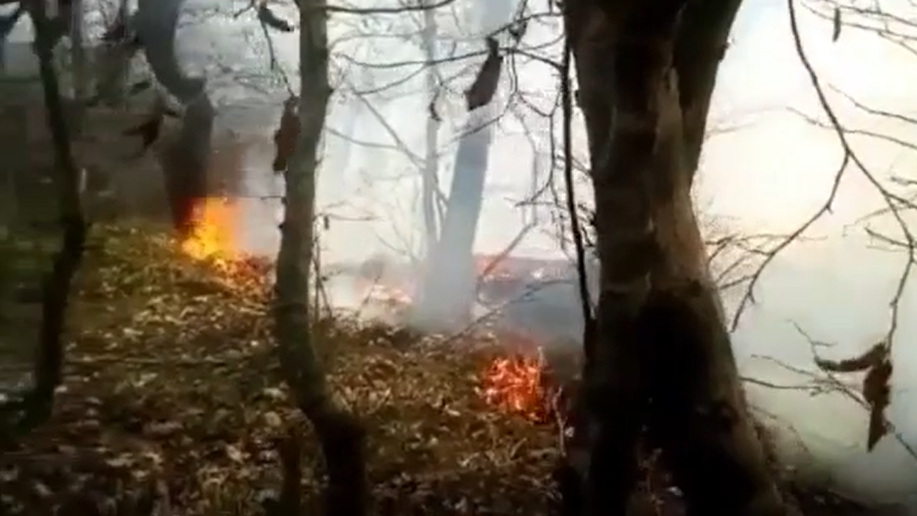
x=213 y=240
x=171 y=376
x=517 y=384
x=211 y=236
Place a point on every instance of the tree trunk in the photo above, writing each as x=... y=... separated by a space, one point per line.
x=340 y=433
x=79 y=77
x=56 y=286
x=186 y=162
x=430 y=173
x=447 y=293
x=663 y=359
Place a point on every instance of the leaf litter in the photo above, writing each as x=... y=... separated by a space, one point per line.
x=172 y=394
x=171 y=381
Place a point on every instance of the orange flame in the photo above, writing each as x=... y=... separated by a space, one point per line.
x=516 y=384
x=212 y=237
x=213 y=240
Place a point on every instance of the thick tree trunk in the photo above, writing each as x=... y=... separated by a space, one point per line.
x=186 y=162
x=447 y=293
x=448 y=287
x=340 y=433
x=663 y=358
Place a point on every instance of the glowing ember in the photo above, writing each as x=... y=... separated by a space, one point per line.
x=516 y=384
x=212 y=235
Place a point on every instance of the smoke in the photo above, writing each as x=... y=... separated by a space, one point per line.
x=836 y=290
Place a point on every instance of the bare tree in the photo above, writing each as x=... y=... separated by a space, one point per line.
x=37 y=405
x=185 y=162
x=340 y=433
x=447 y=288
x=889 y=227
x=430 y=172
x=646 y=72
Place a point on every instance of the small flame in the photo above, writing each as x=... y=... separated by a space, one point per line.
x=516 y=384
x=213 y=240
x=212 y=237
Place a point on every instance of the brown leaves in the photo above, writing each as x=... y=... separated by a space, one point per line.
x=287 y=135
x=876 y=389
x=175 y=370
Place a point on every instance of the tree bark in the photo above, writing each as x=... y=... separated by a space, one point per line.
x=430 y=173
x=447 y=290
x=38 y=404
x=340 y=433
x=663 y=359
x=186 y=162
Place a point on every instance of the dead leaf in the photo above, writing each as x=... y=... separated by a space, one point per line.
x=163 y=428
x=234 y=453
x=877 y=393
x=269 y=18
x=272 y=419
x=876 y=354
x=837 y=24
x=484 y=87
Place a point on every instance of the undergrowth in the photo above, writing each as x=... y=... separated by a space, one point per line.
x=171 y=382
x=171 y=378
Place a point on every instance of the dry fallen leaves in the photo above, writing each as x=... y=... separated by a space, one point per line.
x=171 y=375
x=171 y=393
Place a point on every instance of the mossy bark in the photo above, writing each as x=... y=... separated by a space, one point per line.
x=340 y=433
x=663 y=360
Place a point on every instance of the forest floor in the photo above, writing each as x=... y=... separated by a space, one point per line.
x=171 y=382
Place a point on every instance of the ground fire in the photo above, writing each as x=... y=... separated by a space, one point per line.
x=213 y=239
x=211 y=236
x=513 y=383
x=517 y=384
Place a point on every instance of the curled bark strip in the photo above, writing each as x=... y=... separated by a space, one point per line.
x=286 y=135
x=484 y=87
x=270 y=18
